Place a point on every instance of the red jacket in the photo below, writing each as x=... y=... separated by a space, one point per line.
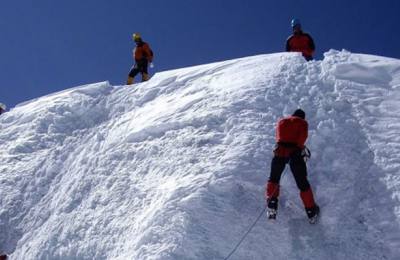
x=291 y=135
x=143 y=51
x=301 y=42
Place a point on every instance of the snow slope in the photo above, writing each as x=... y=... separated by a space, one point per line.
x=174 y=168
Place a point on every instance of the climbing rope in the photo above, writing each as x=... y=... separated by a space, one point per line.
x=252 y=226
x=248 y=231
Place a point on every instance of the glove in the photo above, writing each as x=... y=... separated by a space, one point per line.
x=306 y=154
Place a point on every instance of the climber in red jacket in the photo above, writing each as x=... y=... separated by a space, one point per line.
x=143 y=55
x=291 y=134
x=300 y=41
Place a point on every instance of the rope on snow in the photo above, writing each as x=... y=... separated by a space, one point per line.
x=248 y=231
x=251 y=227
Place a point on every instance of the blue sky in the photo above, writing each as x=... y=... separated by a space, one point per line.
x=48 y=45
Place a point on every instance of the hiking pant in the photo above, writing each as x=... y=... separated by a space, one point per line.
x=299 y=171
x=140 y=66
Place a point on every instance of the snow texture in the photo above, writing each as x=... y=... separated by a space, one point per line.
x=174 y=168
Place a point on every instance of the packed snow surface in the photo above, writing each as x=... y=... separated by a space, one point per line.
x=175 y=168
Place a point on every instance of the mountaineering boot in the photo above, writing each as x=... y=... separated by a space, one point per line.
x=312 y=214
x=129 y=81
x=272 y=208
x=145 y=77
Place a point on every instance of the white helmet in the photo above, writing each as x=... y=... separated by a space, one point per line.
x=2 y=106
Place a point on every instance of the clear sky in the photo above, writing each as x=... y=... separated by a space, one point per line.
x=48 y=45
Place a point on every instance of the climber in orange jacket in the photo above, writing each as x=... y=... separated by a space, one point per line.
x=291 y=135
x=143 y=55
x=300 y=41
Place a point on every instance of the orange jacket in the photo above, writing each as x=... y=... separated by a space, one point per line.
x=292 y=130
x=301 y=42
x=143 y=51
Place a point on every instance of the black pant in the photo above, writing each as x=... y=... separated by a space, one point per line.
x=297 y=166
x=140 y=66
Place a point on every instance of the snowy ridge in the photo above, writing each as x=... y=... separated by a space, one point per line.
x=175 y=168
